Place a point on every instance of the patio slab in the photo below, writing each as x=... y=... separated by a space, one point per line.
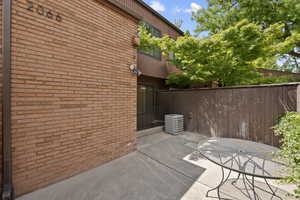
x=160 y=169
x=171 y=152
x=212 y=176
x=136 y=176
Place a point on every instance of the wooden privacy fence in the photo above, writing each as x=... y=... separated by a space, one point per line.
x=238 y=112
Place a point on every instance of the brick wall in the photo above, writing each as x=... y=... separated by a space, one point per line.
x=148 y=65
x=73 y=97
x=150 y=18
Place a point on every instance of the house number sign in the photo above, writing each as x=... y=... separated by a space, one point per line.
x=41 y=10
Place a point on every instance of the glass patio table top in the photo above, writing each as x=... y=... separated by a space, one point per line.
x=244 y=157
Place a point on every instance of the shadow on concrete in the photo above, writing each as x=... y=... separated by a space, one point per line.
x=156 y=171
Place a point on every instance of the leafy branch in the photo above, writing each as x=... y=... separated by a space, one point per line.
x=289 y=129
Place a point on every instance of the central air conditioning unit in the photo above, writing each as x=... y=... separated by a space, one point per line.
x=174 y=124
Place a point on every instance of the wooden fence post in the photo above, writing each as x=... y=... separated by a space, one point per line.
x=298 y=99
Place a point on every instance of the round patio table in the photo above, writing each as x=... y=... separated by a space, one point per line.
x=248 y=159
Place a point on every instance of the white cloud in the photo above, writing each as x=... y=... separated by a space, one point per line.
x=194 y=7
x=177 y=9
x=156 y=5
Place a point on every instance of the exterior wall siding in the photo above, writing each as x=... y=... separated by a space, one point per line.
x=73 y=97
x=158 y=83
x=148 y=65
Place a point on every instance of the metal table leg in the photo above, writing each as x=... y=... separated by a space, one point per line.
x=272 y=192
x=235 y=180
x=223 y=181
x=249 y=185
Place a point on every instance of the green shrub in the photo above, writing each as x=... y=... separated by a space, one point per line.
x=289 y=129
x=182 y=81
x=178 y=81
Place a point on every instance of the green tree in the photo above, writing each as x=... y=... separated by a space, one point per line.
x=229 y=57
x=289 y=129
x=289 y=64
x=222 y=14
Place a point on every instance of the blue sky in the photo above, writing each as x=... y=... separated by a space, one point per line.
x=178 y=9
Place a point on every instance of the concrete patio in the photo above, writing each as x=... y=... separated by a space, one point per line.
x=160 y=169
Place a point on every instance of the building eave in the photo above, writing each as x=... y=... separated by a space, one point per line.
x=139 y=17
x=125 y=9
x=160 y=16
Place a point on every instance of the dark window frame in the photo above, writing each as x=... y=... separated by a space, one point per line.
x=156 y=53
x=146 y=88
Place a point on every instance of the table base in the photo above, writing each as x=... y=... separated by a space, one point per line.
x=249 y=185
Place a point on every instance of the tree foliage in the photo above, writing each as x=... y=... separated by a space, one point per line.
x=272 y=80
x=181 y=81
x=222 y=14
x=229 y=57
x=289 y=64
x=289 y=129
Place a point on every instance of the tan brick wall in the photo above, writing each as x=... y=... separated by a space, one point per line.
x=148 y=65
x=150 y=18
x=73 y=97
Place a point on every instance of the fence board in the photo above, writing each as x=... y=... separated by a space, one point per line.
x=240 y=112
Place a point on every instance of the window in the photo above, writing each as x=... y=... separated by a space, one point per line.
x=154 y=52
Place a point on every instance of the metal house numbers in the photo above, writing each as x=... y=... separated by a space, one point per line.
x=41 y=10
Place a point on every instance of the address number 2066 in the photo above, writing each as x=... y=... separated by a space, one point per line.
x=41 y=10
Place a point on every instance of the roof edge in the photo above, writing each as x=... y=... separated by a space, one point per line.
x=125 y=9
x=160 y=16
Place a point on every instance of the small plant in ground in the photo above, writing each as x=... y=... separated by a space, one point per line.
x=289 y=129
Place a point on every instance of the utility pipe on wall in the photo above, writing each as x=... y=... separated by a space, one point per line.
x=7 y=186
